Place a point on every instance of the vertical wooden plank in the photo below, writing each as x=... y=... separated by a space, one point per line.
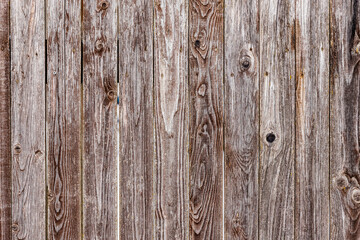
x=344 y=119
x=5 y=132
x=27 y=25
x=312 y=120
x=136 y=119
x=206 y=118
x=171 y=119
x=100 y=195
x=241 y=119
x=277 y=114
x=63 y=119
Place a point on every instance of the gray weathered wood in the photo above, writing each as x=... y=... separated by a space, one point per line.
x=136 y=119
x=5 y=130
x=241 y=119
x=206 y=118
x=344 y=119
x=312 y=120
x=100 y=154
x=63 y=121
x=277 y=114
x=27 y=26
x=171 y=119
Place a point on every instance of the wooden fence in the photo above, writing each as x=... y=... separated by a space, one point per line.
x=179 y=119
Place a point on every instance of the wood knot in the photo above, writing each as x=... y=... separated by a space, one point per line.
x=245 y=63
x=99 y=45
x=38 y=154
x=15 y=227
x=197 y=43
x=102 y=6
x=355 y=196
x=202 y=90
x=17 y=149
x=111 y=95
x=270 y=137
x=341 y=182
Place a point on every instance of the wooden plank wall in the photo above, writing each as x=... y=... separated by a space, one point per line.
x=179 y=119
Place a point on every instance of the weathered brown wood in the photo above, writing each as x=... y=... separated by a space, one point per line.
x=100 y=193
x=136 y=119
x=63 y=123
x=344 y=119
x=241 y=120
x=277 y=114
x=27 y=26
x=206 y=118
x=171 y=119
x=5 y=130
x=312 y=120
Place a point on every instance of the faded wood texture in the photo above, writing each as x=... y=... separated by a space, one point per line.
x=312 y=120
x=63 y=123
x=241 y=108
x=27 y=26
x=277 y=114
x=100 y=150
x=344 y=119
x=136 y=119
x=206 y=118
x=5 y=125
x=171 y=119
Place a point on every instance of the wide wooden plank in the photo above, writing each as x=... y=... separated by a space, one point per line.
x=277 y=114
x=312 y=120
x=241 y=108
x=344 y=119
x=136 y=119
x=63 y=119
x=27 y=26
x=171 y=119
x=100 y=155
x=5 y=132
x=206 y=118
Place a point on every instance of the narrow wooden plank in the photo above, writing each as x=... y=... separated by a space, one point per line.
x=171 y=119
x=5 y=131
x=27 y=26
x=344 y=119
x=241 y=119
x=277 y=114
x=100 y=194
x=136 y=119
x=206 y=118
x=312 y=120
x=63 y=119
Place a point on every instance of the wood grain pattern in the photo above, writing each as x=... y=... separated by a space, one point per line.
x=5 y=130
x=344 y=115
x=136 y=119
x=206 y=118
x=63 y=119
x=277 y=114
x=312 y=120
x=241 y=119
x=100 y=156
x=171 y=119
x=27 y=26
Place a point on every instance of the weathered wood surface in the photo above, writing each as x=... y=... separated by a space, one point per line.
x=277 y=114
x=206 y=118
x=5 y=129
x=344 y=120
x=171 y=119
x=100 y=150
x=312 y=120
x=136 y=119
x=63 y=123
x=241 y=119
x=27 y=26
